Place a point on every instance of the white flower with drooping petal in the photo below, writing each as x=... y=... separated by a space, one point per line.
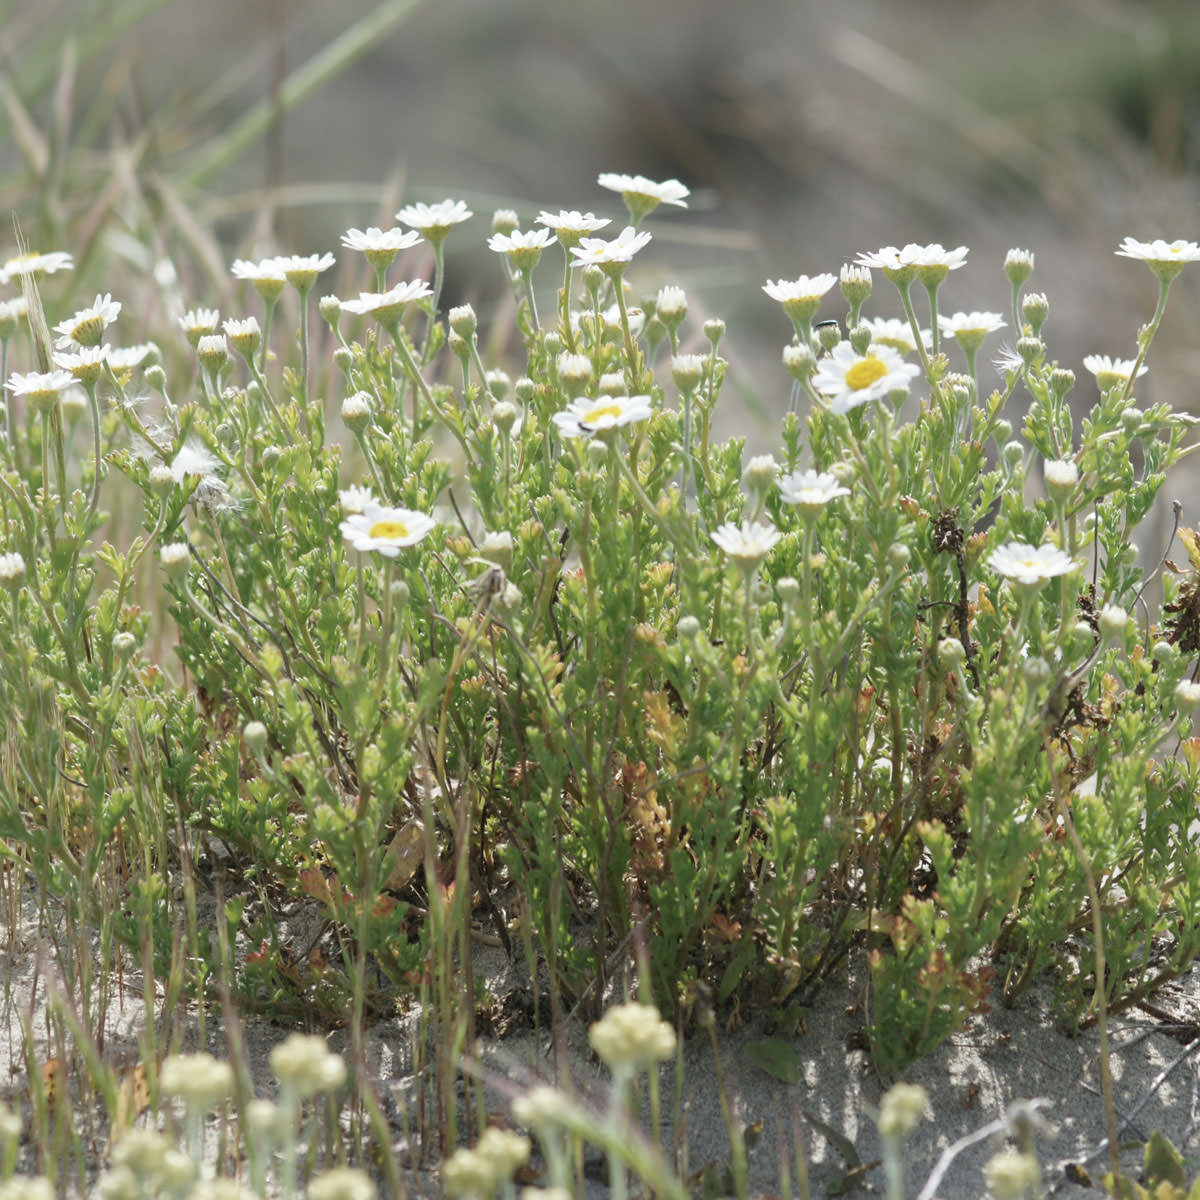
x=1111 y=372
x=435 y=221
x=621 y=249
x=388 y=306
x=87 y=326
x=1159 y=251
x=572 y=221
x=640 y=189
x=21 y=265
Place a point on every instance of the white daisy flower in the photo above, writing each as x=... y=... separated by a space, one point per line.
x=355 y=499
x=523 y=249
x=387 y=307
x=572 y=221
x=12 y=568
x=387 y=530
x=266 y=270
x=85 y=363
x=896 y=333
x=935 y=262
x=1031 y=565
x=810 y=491
x=301 y=270
x=435 y=221
x=1165 y=259
x=806 y=288
x=849 y=379
x=748 y=543
x=621 y=249
x=87 y=326
x=589 y=417
x=198 y=322
x=1111 y=372
x=40 y=388
x=892 y=260
x=375 y=241
x=21 y=265
x=126 y=358
x=644 y=194
x=972 y=325
x=11 y=311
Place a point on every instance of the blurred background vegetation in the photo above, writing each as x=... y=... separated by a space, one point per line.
x=153 y=130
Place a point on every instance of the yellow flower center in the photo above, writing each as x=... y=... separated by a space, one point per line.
x=389 y=529
x=865 y=372
x=602 y=410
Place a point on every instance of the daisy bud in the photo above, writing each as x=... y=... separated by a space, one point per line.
x=1013 y=453
x=597 y=452
x=162 y=479
x=498 y=383
x=1062 y=380
x=788 y=590
x=459 y=347
x=1030 y=349
x=799 y=361
x=254 y=735
x=1034 y=309
x=950 y=654
x=1061 y=476
x=245 y=336
x=10 y=317
x=498 y=548
x=504 y=221
x=714 y=330
x=1018 y=266
x=1132 y=419
x=12 y=570
x=859 y=337
x=212 y=352
x=330 y=308
x=269 y=456
x=671 y=307
x=611 y=384
x=903 y=1105
x=1162 y=652
x=1114 y=620
x=401 y=593
x=593 y=278
x=343 y=359
x=898 y=556
x=463 y=321
x=761 y=473
x=504 y=415
x=829 y=335
x=574 y=371
x=1187 y=694
x=688 y=627
x=524 y=389
x=124 y=644
x=174 y=559
x=155 y=377
x=73 y=404
x=1035 y=670
x=855 y=282
x=1003 y=431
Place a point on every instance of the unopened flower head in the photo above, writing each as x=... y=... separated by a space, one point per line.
x=849 y=380
x=1165 y=259
x=468 y=1175
x=34 y=265
x=245 y=336
x=380 y=246
x=810 y=491
x=12 y=313
x=761 y=472
x=342 y=1183
x=384 y=529
x=903 y=1105
x=212 y=350
x=855 y=282
x=306 y=1067
x=1061 y=476
x=1018 y=266
x=388 y=307
x=504 y=1149
x=1011 y=1175
x=355 y=499
x=87 y=326
x=1111 y=372
x=84 y=362
x=174 y=558
x=588 y=417
x=199 y=1080
x=687 y=370
x=800 y=297
x=631 y=1037
x=523 y=249
x=615 y=253
x=199 y=322
x=748 y=543
x=434 y=221
x=671 y=306
x=356 y=411
x=12 y=569
x=1030 y=565
x=574 y=371
x=641 y=195
x=1187 y=694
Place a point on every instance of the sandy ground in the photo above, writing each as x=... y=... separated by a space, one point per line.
x=1004 y=1057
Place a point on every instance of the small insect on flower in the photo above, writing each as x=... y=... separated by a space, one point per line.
x=385 y=530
